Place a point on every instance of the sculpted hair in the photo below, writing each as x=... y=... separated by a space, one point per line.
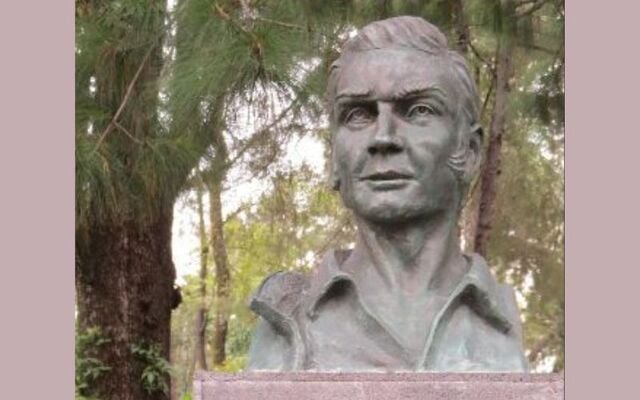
x=415 y=33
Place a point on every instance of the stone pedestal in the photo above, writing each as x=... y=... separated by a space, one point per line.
x=377 y=386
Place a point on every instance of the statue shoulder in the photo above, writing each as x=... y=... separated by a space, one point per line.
x=277 y=343
x=279 y=295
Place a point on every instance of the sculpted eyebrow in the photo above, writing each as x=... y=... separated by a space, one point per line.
x=420 y=89
x=431 y=92
x=354 y=92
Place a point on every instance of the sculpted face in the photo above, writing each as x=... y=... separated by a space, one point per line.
x=395 y=118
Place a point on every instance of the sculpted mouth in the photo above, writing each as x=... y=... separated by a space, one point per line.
x=386 y=176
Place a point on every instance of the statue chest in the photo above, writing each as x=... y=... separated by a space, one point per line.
x=350 y=334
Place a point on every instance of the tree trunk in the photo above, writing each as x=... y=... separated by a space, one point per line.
x=469 y=220
x=491 y=169
x=124 y=283
x=468 y=216
x=460 y=26
x=222 y=291
x=214 y=181
x=124 y=271
x=200 y=359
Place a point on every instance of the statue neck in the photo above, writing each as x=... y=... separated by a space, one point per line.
x=411 y=257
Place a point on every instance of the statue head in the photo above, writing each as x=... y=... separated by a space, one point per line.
x=404 y=116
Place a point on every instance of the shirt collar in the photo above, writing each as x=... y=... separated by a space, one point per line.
x=325 y=277
x=478 y=288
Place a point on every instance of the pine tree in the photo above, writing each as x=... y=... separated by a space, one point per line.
x=155 y=92
x=124 y=195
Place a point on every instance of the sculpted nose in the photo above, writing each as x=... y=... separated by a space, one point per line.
x=385 y=140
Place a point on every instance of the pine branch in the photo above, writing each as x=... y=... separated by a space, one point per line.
x=280 y=23
x=220 y=12
x=246 y=9
x=234 y=213
x=259 y=133
x=486 y=98
x=534 y=46
x=483 y=60
x=535 y=7
x=126 y=132
x=114 y=120
x=257 y=45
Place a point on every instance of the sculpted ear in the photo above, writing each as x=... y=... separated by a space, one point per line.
x=474 y=153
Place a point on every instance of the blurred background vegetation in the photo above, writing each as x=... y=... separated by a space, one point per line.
x=212 y=112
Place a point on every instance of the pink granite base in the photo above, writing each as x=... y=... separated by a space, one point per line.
x=377 y=386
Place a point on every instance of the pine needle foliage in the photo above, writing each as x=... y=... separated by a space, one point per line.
x=147 y=100
x=121 y=150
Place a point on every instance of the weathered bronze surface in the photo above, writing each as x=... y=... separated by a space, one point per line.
x=406 y=145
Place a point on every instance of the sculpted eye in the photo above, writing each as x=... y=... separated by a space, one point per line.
x=358 y=116
x=420 y=110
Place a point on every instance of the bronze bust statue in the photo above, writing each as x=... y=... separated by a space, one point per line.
x=406 y=145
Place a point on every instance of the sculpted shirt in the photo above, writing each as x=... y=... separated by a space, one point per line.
x=318 y=323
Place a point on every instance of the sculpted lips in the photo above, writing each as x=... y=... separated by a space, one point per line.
x=386 y=180
x=386 y=176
